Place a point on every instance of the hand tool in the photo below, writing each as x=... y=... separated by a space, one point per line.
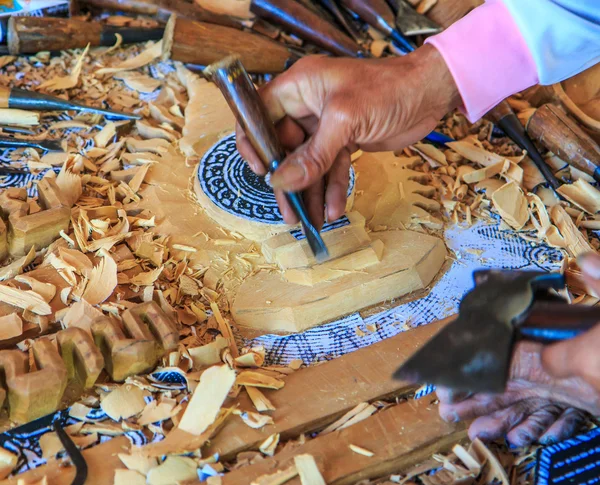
x=410 y=22
x=202 y=44
x=379 y=16
x=473 y=353
x=45 y=145
x=342 y=19
x=299 y=20
x=551 y=127
x=17 y=98
x=237 y=88
x=29 y=35
x=163 y=9
x=81 y=469
x=503 y=116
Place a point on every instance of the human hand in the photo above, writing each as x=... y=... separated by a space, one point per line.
x=326 y=108
x=579 y=357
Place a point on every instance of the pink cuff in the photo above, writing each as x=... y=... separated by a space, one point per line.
x=487 y=57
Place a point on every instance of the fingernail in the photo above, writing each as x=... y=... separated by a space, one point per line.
x=549 y=440
x=451 y=417
x=289 y=174
x=525 y=438
x=590 y=264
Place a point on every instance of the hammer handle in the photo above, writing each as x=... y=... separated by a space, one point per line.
x=550 y=322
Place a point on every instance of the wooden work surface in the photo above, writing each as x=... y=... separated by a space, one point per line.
x=311 y=399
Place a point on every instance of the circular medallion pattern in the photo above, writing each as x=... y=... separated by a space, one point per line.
x=228 y=182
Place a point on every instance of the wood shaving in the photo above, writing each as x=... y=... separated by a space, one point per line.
x=67 y=82
x=18 y=117
x=269 y=446
x=308 y=470
x=102 y=281
x=260 y=401
x=277 y=478
x=256 y=379
x=16 y=267
x=137 y=462
x=124 y=402
x=26 y=300
x=361 y=451
x=128 y=477
x=511 y=204
x=145 y=57
x=138 y=82
x=175 y=469
x=10 y=326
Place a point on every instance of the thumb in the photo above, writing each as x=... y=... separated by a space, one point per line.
x=312 y=160
x=577 y=357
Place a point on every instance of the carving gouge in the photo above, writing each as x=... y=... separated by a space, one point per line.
x=307 y=25
x=29 y=35
x=379 y=15
x=45 y=145
x=503 y=116
x=410 y=22
x=473 y=352
x=17 y=98
x=237 y=88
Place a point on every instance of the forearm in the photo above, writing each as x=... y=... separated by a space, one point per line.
x=506 y=46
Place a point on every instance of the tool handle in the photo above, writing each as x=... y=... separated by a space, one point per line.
x=503 y=116
x=342 y=19
x=550 y=126
x=249 y=110
x=29 y=35
x=550 y=322
x=204 y=44
x=307 y=25
x=376 y=13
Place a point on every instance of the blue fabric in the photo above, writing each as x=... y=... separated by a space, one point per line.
x=563 y=36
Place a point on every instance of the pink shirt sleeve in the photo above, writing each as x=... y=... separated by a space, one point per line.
x=487 y=57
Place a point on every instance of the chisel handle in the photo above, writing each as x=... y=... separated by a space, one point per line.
x=550 y=322
x=307 y=25
x=29 y=35
x=550 y=126
x=204 y=44
x=503 y=116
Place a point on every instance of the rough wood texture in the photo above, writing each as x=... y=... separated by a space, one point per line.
x=148 y=321
x=82 y=358
x=268 y=303
x=446 y=12
x=316 y=396
x=562 y=136
x=3 y=241
x=28 y=35
x=287 y=252
x=50 y=195
x=399 y=437
x=202 y=43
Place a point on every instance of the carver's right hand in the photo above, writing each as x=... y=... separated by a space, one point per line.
x=326 y=108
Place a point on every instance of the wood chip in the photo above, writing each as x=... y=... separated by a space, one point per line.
x=146 y=279
x=260 y=401
x=8 y=461
x=254 y=420
x=175 y=469
x=103 y=280
x=18 y=117
x=215 y=383
x=209 y=354
x=66 y=82
x=574 y=240
x=124 y=402
x=308 y=470
x=582 y=194
x=145 y=57
x=269 y=446
x=27 y=300
x=475 y=153
x=355 y=415
x=105 y=135
x=16 y=267
x=361 y=451
x=156 y=412
x=511 y=204
x=256 y=379
x=225 y=329
x=486 y=172
x=278 y=478
x=433 y=155
x=138 y=82
x=138 y=462
x=251 y=359
x=10 y=326
x=468 y=460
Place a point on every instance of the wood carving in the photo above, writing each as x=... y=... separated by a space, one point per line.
x=237 y=199
x=82 y=358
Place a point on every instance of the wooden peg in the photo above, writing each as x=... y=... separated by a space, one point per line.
x=550 y=126
x=14 y=200
x=123 y=356
x=35 y=394
x=13 y=363
x=50 y=195
x=37 y=230
x=149 y=321
x=82 y=358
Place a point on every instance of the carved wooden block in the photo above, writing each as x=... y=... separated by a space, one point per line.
x=123 y=356
x=13 y=363
x=3 y=240
x=50 y=196
x=37 y=230
x=33 y=395
x=290 y=249
x=149 y=321
x=82 y=358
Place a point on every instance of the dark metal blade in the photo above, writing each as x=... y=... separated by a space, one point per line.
x=409 y=22
x=467 y=355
